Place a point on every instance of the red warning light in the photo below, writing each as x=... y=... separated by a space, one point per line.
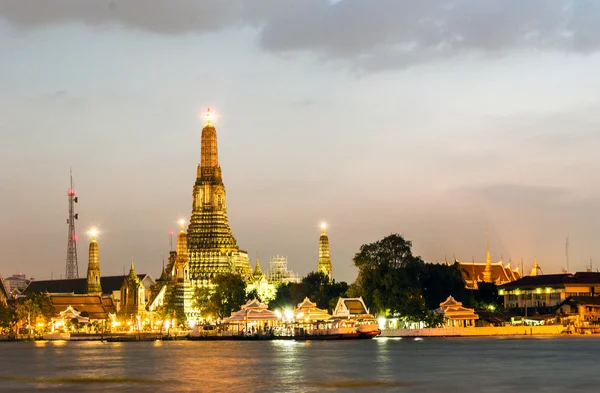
x=74 y=237
x=171 y=233
x=71 y=192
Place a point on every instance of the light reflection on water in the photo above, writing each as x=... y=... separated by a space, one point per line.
x=381 y=365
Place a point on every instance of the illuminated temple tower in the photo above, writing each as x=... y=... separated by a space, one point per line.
x=324 y=258
x=212 y=249
x=93 y=273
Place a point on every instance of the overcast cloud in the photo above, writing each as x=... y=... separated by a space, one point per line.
x=369 y=35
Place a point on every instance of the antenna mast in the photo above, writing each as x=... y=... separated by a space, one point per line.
x=72 y=269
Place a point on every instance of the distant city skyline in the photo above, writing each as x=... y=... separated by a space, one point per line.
x=350 y=113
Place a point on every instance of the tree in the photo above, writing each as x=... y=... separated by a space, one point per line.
x=253 y=294
x=395 y=282
x=283 y=297
x=202 y=301
x=228 y=294
x=315 y=286
x=29 y=309
x=8 y=318
x=486 y=297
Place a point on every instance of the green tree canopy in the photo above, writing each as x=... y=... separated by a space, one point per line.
x=316 y=286
x=393 y=281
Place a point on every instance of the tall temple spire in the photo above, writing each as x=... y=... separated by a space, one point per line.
x=93 y=286
x=257 y=270
x=324 y=256
x=212 y=249
x=487 y=273
x=209 y=154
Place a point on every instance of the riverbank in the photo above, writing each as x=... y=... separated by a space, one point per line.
x=554 y=330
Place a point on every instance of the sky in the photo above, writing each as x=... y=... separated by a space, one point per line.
x=437 y=120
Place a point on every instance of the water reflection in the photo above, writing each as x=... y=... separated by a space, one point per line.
x=382 y=365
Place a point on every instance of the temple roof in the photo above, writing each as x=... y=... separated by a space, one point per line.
x=350 y=306
x=452 y=309
x=500 y=273
x=253 y=310
x=3 y=291
x=76 y=285
x=308 y=311
x=96 y=306
x=559 y=280
x=306 y=303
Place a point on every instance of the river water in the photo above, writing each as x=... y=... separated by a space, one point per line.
x=551 y=364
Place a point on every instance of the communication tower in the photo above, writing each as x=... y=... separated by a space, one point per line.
x=72 y=270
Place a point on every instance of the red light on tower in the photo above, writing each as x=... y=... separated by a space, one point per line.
x=71 y=192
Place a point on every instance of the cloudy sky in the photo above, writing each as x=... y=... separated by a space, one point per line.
x=436 y=120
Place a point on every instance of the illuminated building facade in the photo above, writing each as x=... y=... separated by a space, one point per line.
x=324 y=255
x=548 y=290
x=212 y=249
x=266 y=290
x=133 y=299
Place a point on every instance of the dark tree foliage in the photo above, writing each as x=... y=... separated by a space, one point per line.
x=283 y=298
x=393 y=281
x=486 y=296
x=315 y=286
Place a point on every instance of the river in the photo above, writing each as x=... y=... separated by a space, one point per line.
x=550 y=364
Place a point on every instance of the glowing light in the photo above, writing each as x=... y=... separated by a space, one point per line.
x=278 y=314
x=323 y=226
x=381 y=322
x=208 y=116
x=192 y=324
x=71 y=192
x=182 y=222
x=289 y=314
x=538 y=290
x=299 y=315
x=171 y=233
x=93 y=232
x=167 y=324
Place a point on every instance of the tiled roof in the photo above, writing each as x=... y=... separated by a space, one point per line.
x=76 y=285
x=92 y=304
x=500 y=274
x=545 y=280
x=583 y=300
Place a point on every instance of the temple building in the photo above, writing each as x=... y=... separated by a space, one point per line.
x=455 y=315
x=324 y=257
x=99 y=296
x=93 y=286
x=212 y=249
x=488 y=271
x=258 y=281
x=174 y=287
x=133 y=299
